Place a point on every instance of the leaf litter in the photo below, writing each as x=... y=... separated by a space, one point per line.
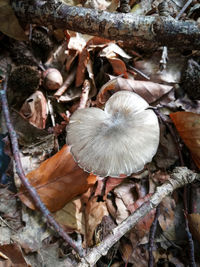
x=84 y=203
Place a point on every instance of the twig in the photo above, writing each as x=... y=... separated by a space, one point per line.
x=152 y=236
x=183 y=9
x=51 y=111
x=84 y=95
x=69 y=80
x=76 y=245
x=190 y=242
x=1 y=219
x=179 y=177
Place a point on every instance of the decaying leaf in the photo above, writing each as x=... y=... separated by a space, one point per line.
x=94 y=212
x=150 y=91
x=53 y=179
x=188 y=126
x=30 y=236
x=72 y=216
x=170 y=75
x=9 y=24
x=35 y=110
x=11 y=255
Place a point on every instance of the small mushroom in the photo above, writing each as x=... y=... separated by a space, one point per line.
x=117 y=141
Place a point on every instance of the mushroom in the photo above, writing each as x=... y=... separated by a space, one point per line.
x=117 y=141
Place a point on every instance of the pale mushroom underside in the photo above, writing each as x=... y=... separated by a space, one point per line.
x=117 y=141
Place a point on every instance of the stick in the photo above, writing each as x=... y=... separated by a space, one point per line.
x=179 y=177
x=76 y=245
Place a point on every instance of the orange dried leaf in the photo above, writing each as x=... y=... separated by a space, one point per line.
x=58 y=180
x=12 y=256
x=188 y=126
x=118 y=66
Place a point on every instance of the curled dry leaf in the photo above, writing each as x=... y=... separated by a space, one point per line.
x=188 y=126
x=35 y=110
x=148 y=90
x=53 y=178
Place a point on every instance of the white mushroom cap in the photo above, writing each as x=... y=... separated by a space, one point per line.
x=119 y=140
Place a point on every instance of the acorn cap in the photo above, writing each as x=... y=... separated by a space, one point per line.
x=117 y=141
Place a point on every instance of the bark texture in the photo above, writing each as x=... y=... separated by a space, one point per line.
x=114 y=26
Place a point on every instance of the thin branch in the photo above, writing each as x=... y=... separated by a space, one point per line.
x=19 y=169
x=115 y=26
x=179 y=177
x=84 y=94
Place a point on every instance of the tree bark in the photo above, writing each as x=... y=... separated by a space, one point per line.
x=115 y=26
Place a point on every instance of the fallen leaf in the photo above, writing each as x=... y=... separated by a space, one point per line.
x=170 y=75
x=72 y=216
x=148 y=90
x=188 y=126
x=94 y=212
x=111 y=183
x=119 y=67
x=9 y=24
x=35 y=110
x=53 y=178
x=12 y=255
x=81 y=68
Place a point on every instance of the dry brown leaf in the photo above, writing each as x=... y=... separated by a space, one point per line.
x=111 y=183
x=188 y=126
x=94 y=213
x=81 y=68
x=171 y=74
x=9 y=24
x=72 y=216
x=119 y=67
x=53 y=178
x=78 y=41
x=34 y=110
x=194 y=225
x=112 y=49
x=11 y=255
x=148 y=90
